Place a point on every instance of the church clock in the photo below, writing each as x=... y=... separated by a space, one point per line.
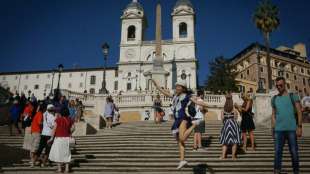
x=130 y=54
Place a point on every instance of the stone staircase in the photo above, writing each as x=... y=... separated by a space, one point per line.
x=143 y=147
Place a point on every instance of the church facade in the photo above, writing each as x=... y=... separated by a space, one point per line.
x=135 y=60
x=137 y=55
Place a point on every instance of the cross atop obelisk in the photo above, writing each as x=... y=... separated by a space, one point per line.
x=158 y=60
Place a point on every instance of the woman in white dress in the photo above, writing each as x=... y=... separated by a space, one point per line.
x=60 y=151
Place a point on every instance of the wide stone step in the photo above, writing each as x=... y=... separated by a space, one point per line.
x=198 y=169
x=213 y=139
x=168 y=152
x=146 y=148
x=136 y=172
x=215 y=158
x=174 y=148
x=176 y=155
x=170 y=165
x=150 y=144
x=215 y=167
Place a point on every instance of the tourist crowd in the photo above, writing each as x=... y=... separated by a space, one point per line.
x=288 y=112
x=48 y=126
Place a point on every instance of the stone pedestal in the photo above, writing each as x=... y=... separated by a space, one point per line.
x=95 y=121
x=306 y=129
x=160 y=78
x=83 y=129
x=263 y=109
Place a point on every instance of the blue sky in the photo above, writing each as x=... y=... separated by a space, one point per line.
x=40 y=34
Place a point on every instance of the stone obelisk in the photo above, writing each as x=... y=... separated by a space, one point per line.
x=158 y=73
x=158 y=33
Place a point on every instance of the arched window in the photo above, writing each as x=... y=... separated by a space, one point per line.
x=131 y=32
x=183 y=30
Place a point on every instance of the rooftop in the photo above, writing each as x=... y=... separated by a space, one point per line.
x=136 y=5
x=183 y=2
x=261 y=47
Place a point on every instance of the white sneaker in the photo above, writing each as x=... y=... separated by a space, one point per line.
x=182 y=164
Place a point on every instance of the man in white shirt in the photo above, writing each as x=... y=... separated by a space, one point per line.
x=48 y=125
x=305 y=102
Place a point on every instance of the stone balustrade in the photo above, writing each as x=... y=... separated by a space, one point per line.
x=144 y=99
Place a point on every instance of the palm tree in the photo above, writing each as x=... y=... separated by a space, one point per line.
x=266 y=20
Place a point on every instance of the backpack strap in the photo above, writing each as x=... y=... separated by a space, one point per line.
x=295 y=110
x=187 y=109
x=293 y=102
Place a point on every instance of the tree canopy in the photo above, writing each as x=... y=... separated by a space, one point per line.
x=222 y=77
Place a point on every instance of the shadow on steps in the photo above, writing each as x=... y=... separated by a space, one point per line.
x=11 y=155
x=202 y=169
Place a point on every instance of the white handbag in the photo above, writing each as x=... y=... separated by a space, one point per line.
x=72 y=142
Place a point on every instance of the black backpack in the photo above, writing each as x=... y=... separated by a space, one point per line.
x=190 y=109
x=26 y=122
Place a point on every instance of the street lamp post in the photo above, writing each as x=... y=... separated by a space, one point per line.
x=105 y=50
x=136 y=82
x=53 y=74
x=189 y=80
x=60 y=69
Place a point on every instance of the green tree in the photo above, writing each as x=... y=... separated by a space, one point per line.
x=222 y=77
x=266 y=19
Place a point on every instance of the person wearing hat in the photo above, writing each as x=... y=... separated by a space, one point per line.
x=48 y=125
x=183 y=124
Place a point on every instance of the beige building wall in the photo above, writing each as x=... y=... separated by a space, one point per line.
x=291 y=65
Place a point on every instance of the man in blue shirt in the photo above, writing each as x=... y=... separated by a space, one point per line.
x=284 y=108
x=15 y=112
